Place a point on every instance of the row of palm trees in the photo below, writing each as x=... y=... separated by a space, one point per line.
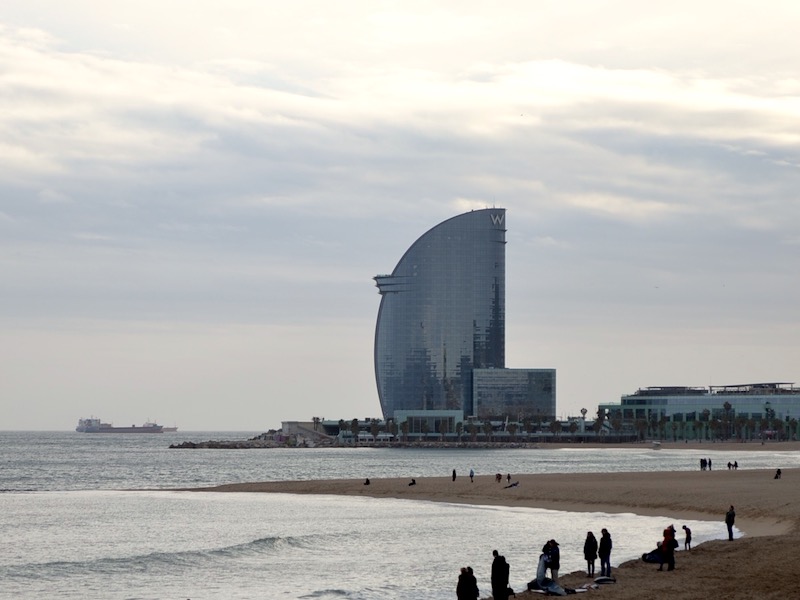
x=472 y=428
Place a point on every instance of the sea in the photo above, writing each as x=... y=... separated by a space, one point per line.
x=94 y=516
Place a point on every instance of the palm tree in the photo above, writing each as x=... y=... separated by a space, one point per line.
x=404 y=430
x=459 y=429
x=714 y=425
x=674 y=431
x=555 y=427
x=698 y=430
x=354 y=429
x=444 y=429
x=527 y=424
x=374 y=429
x=573 y=427
x=641 y=428
x=487 y=430
x=342 y=426
x=316 y=421
x=473 y=431
x=616 y=425
x=426 y=428
x=512 y=429
x=792 y=428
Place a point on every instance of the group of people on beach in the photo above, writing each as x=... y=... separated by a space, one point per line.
x=467 y=586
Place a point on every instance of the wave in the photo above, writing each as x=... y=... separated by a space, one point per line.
x=157 y=562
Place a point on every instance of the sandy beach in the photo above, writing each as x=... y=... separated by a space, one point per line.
x=759 y=565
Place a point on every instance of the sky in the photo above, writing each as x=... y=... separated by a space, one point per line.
x=195 y=196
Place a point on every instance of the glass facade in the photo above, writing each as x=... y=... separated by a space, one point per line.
x=516 y=393
x=442 y=315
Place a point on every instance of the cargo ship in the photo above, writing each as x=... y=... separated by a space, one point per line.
x=93 y=425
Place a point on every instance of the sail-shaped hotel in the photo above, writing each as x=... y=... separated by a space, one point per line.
x=440 y=334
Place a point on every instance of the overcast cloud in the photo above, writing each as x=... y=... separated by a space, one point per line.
x=194 y=196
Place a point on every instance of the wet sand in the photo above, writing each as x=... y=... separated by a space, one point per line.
x=762 y=564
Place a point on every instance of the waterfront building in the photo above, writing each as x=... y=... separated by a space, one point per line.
x=744 y=411
x=442 y=320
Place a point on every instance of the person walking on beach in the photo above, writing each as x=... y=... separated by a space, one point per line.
x=454 y=474
x=590 y=553
x=730 y=518
x=471 y=476
x=687 y=542
x=604 y=552
x=500 y=571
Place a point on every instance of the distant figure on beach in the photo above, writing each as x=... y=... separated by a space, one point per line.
x=668 y=545
x=510 y=485
x=498 y=478
x=590 y=553
x=413 y=482
x=553 y=559
x=702 y=464
x=471 y=476
x=500 y=569
x=730 y=517
x=778 y=474
x=367 y=481
x=454 y=474
x=604 y=552
x=709 y=464
x=730 y=465
x=735 y=465
x=687 y=542
x=508 y=478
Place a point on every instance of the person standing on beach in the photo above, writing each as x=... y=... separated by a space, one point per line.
x=687 y=543
x=454 y=474
x=668 y=549
x=463 y=585
x=500 y=571
x=604 y=552
x=471 y=476
x=590 y=553
x=472 y=592
x=730 y=517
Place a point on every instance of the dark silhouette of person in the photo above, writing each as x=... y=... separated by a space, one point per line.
x=604 y=552
x=687 y=542
x=500 y=570
x=590 y=553
x=473 y=585
x=735 y=465
x=471 y=476
x=463 y=585
x=778 y=474
x=508 y=478
x=730 y=518
x=454 y=474
x=668 y=549
x=412 y=482
x=367 y=481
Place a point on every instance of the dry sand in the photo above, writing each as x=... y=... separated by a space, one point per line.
x=763 y=564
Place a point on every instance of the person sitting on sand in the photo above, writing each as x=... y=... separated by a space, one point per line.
x=510 y=485
x=778 y=474
x=367 y=481
x=413 y=482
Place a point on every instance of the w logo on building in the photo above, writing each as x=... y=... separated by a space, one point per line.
x=498 y=219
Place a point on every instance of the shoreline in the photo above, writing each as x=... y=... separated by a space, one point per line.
x=767 y=514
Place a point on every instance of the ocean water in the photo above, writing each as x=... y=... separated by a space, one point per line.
x=73 y=526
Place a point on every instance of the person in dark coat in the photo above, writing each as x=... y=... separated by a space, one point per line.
x=500 y=571
x=668 y=545
x=730 y=518
x=473 y=592
x=604 y=552
x=687 y=542
x=463 y=586
x=590 y=553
